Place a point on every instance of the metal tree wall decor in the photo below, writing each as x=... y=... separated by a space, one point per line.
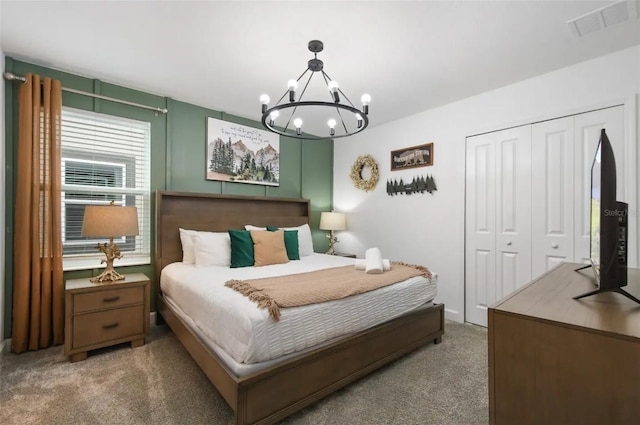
x=419 y=184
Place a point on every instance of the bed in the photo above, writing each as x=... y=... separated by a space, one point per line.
x=287 y=384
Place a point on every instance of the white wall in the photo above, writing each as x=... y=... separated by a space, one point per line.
x=429 y=229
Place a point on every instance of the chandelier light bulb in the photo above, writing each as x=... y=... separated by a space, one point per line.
x=272 y=117
x=292 y=85
x=333 y=88
x=365 y=99
x=298 y=124
x=265 y=99
x=332 y=126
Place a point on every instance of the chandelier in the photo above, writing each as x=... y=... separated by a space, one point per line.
x=342 y=119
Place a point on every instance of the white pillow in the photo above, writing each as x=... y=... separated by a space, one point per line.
x=188 y=249
x=212 y=249
x=252 y=227
x=305 y=242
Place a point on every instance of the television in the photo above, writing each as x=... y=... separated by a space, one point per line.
x=608 y=225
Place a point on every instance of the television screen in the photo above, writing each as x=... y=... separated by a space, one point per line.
x=608 y=225
x=596 y=169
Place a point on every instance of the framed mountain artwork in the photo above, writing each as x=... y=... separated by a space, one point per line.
x=241 y=154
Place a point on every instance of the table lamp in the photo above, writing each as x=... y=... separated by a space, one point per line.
x=109 y=221
x=332 y=221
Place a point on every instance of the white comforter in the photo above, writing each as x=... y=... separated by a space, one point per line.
x=249 y=335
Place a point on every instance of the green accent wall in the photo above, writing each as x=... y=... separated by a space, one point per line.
x=177 y=157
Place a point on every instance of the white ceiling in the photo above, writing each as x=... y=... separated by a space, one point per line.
x=409 y=55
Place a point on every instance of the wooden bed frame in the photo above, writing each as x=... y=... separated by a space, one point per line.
x=270 y=395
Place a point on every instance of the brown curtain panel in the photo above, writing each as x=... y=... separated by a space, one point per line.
x=38 y=288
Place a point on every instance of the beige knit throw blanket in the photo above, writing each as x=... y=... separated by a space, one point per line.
x=274 y=293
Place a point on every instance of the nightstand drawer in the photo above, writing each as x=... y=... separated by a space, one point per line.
x=108 y=325
x=107 y=299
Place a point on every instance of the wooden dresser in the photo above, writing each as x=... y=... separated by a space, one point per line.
x=100 y=315
x=556 y=360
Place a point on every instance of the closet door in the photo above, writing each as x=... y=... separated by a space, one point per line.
x=498 y=218
x=527 y=201
x=513 y=209
x=552 y=194
x=480 y=263
x=587 y=134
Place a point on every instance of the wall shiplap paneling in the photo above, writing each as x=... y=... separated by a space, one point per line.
x=317 y=170
x=187 y=150
x=291 y=168
x=187 y=126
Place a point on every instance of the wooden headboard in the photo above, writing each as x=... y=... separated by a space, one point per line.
x=216 y=213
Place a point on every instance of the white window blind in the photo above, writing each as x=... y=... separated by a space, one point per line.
x=104 y=158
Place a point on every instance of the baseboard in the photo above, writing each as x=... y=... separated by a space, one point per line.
x=152 y=318
x=6 y=344
x=453 y=315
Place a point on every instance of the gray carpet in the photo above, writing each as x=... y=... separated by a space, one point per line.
x=159 y=383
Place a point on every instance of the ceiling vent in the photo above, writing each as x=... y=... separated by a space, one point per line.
x=604 y=17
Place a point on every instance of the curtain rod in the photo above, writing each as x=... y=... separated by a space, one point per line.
x=9 y=76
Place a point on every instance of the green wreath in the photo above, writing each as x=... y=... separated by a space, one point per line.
x=356 y=173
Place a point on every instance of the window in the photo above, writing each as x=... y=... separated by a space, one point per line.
x=104 y=159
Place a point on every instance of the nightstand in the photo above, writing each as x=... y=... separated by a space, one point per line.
x=99 y=315
x=342 y=254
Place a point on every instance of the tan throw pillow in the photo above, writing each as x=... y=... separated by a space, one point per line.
x=268 y=247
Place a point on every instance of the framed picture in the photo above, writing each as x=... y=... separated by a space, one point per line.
x=415 y=156
x=241 y=154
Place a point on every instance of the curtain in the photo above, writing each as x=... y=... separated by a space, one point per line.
x=38 y=291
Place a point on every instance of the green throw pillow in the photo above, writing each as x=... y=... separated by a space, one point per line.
x=290 y=242
x=241 y=248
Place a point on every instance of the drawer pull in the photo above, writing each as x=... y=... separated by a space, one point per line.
x=110 y=325
x=111 y=299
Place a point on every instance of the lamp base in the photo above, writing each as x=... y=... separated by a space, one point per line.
x=107 y=276
x=111 y=252
x=332 y=242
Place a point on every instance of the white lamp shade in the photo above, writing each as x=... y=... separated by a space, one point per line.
x=110 y=221
x=333 y=221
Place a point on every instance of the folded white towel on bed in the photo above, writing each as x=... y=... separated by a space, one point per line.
x=361 y=264
x=373 y=261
